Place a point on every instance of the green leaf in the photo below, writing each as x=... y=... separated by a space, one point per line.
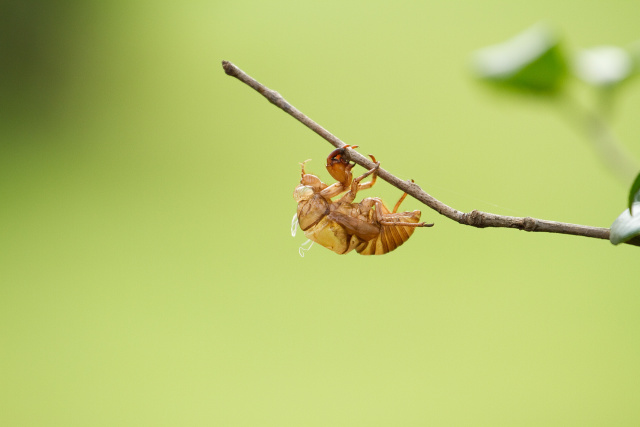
x=626 y=226
x=634 y=53
x=532 y=60
x=634 y=193
x=604 y=65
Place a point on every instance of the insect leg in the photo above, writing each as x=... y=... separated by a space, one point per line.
x=302 y=165
x=373 y=179
x=333 y=190
x=405 y=224
x=384 y=217
x=351 y=194
x=373 y=170
x=395 y=208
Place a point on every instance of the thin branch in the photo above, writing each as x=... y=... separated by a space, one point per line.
x=474 y=218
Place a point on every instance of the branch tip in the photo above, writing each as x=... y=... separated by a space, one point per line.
x=228 y=68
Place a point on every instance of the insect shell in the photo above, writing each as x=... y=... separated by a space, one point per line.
x=342 y=225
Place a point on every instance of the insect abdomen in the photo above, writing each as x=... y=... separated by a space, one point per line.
x=391 y=236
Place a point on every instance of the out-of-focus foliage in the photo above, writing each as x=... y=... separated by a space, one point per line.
x=535 y=60
x=36 y=43
x=627 y=225
x=532 y=61
x=634 y=192
x=604 y=65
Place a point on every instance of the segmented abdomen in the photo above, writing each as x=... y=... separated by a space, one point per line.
x=391 y=236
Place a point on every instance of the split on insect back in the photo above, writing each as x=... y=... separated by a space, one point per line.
x=342 y=225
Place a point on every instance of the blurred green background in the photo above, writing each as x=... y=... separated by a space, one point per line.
x=148 y=276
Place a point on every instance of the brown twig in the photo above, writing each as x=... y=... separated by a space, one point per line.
x=474 y=218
